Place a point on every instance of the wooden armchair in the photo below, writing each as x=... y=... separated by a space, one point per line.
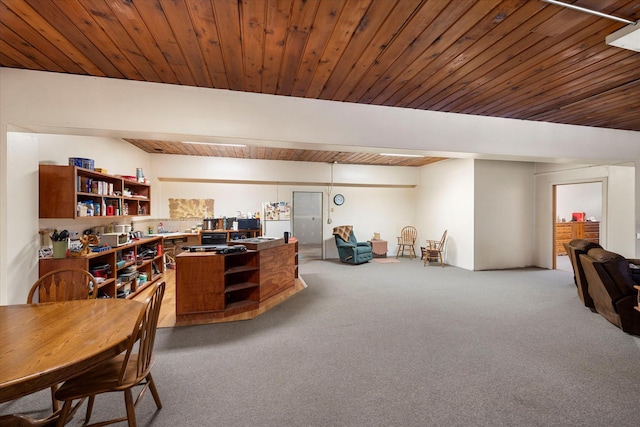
x=407 y=240
x=123 y=372
x=434 y=250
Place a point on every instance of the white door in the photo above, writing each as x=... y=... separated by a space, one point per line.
x=307 y=223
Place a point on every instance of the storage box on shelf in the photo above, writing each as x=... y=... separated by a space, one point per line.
x=119 y=268
x=72 y=192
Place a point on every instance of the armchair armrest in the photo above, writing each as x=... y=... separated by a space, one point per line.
x=433 y=244
x=343 y=244
x=364 y=244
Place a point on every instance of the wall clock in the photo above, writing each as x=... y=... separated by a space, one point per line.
x=338 y=199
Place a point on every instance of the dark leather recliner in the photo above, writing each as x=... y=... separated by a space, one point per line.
x=574 y=249
x=611 y=288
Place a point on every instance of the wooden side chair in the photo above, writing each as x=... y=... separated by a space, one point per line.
x=434 y=250
x=122 y=373
x=63 y=285
x=407 y=240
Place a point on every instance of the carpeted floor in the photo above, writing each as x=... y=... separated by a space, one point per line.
x=398 y=344
x=386 y=260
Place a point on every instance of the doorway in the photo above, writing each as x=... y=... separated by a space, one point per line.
x=570 y=199
x=307 y=223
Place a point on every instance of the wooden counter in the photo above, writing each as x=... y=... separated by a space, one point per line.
x=214 y=286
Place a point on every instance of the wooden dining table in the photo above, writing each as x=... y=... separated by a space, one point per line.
x=42 y=345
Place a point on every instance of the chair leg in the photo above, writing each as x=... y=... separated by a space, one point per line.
x=64 y=414
x=54 y=402
x=154 y=391
x=131 y=410
x=87 y=417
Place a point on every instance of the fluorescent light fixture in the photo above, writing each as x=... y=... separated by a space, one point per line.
x=626 y=38
x=213 y=143
x=401 y=155
x=585 y=10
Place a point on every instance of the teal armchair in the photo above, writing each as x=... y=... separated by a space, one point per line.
x=351 y=251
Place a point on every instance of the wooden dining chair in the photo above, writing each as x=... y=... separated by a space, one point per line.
x=65 y=284
x=122 y=373
x=407 y=240
x=435 y=249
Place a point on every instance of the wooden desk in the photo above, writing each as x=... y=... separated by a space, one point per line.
x=44 y=344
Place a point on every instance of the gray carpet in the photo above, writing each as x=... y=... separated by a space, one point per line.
x=402 y=345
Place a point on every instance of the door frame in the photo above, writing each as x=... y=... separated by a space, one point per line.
x=603 y=220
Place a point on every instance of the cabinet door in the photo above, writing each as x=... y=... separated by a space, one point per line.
x=199 y=283
x=57 y=191
x=277 y=270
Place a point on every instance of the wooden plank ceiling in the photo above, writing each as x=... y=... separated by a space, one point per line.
x=521 y=59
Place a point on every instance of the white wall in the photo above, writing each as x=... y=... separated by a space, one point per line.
x=445 y=201
x=22 y=254
x=113 y=154
x=369 y=207
x=503 y=216
x=585 y=197
x=620 y=211
x=618 y=189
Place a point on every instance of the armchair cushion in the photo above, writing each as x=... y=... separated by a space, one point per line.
x=617 y=267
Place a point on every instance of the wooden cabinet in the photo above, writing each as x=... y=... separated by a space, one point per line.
x=72 y=192
x=568 y=231
x=215 y=286
x=211 y=283
x=136 y=198
x=112 y=266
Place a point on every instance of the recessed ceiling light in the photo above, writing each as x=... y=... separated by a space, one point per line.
x=401 y=155
x=213 y=143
